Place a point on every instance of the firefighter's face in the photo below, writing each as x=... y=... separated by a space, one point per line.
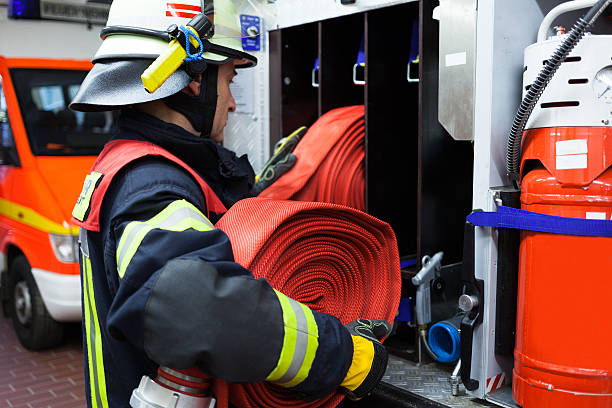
x=225 y=100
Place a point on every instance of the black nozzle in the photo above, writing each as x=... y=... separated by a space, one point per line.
x=202 y=25
x=173 y=30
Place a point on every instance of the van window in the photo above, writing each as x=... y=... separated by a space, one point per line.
x=53 y=129
x=8 y=149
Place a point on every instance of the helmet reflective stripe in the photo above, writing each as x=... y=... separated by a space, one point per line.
x=182 y=10
x=159 y=15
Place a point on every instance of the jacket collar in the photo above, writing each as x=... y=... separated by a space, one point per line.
x=231 y=177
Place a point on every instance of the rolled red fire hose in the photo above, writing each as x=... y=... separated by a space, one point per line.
x=329 y=164
x=333 y=258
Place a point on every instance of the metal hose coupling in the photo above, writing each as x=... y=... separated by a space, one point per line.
x=423 y=335
x=455 y=379
x=173 y=389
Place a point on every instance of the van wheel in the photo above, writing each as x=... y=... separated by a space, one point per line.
x=35 y=328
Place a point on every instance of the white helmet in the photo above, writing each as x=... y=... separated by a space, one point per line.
x=137 y=32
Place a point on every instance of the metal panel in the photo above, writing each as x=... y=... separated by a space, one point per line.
x=504 y=29
x=457 y=69
x=247 y=132
x=582 y=64
x=430 y=381
x=248 y=129
x=503 y=397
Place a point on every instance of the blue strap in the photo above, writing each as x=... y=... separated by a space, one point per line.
x=361 y=53
x=316 y=65
x=408 y=262
x=188 y=35
x=507 y=217
x=414 y=43
x=404 y=311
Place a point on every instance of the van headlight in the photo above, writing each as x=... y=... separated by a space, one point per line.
x=65 y=247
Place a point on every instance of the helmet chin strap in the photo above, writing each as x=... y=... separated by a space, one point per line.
x=199 y=110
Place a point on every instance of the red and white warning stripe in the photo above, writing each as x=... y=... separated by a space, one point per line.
x=185 y=9
x=496 y=382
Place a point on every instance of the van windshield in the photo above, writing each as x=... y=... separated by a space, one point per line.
x=53 y=129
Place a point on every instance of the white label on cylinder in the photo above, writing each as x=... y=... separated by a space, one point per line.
x=458 y=58
x=572 y=161
x=595 y=215
x=577 y=146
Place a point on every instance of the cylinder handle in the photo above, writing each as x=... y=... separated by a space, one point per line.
x=468 y=302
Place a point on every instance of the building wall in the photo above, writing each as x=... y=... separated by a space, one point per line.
x=47 y=39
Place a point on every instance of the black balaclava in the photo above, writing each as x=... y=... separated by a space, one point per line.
x=199 y=110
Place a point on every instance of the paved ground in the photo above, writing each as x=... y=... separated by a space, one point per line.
x=47 y=379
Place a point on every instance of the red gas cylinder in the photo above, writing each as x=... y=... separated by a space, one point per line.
x=563 y=352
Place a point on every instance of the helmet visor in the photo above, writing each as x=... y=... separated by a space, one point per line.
x=114 y=84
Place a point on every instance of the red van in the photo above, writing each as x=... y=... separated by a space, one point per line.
x=45 y=152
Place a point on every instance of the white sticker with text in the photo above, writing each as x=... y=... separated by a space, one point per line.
x=572 y=154
x=458 y=58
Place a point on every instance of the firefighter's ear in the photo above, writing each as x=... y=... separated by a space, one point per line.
x=193 y=88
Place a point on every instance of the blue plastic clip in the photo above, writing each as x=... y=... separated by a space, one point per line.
x=188 y=35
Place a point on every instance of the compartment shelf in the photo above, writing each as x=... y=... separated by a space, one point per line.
x=417 y=177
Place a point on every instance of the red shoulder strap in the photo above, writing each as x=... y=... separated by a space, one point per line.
x=116 y=155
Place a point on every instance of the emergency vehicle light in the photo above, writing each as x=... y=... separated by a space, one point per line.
x=24 y=9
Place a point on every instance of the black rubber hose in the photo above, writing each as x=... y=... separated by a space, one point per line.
x=528 y=103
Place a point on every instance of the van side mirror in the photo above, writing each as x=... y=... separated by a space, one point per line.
x=9 y=156
x=8 y=150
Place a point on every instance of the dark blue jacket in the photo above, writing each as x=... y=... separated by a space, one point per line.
x=156 y=292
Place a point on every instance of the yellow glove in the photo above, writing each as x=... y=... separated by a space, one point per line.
x=369 y=357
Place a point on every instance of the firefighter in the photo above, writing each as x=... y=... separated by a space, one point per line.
x=160 y=285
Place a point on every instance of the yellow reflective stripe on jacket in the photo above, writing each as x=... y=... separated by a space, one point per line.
x=30 y=217
x=97 y=378
x=178 y=216
x=300 y=343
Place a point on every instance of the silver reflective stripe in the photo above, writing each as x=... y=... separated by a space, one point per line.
x=83 y=241
x=301 y=343
x=179 y=387
x=167 y=223
x=183 y=376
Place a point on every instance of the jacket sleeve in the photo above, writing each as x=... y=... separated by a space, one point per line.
x=183 y=300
